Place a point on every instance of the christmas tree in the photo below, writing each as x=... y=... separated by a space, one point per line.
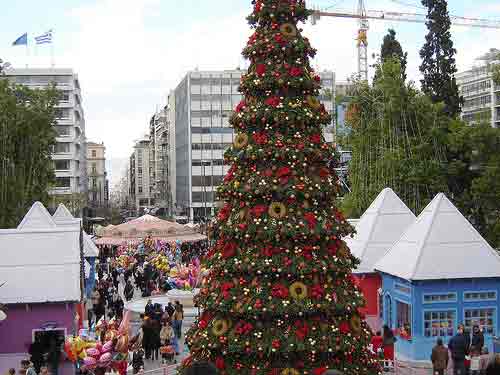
x=279 y=297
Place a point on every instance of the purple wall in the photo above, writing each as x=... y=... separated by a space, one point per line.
x=16 y=330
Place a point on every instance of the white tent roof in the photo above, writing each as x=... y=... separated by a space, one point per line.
x=37 y=218
x=378 y=229
x=441 y=244
x=63 y=218
x=39 y=264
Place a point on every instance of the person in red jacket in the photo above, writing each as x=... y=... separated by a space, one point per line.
x=377 y=343
x=388 y=342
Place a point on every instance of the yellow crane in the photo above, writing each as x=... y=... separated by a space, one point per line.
x=364 y=15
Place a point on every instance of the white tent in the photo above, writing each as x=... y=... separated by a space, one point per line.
x=378 y=229
x=441 y=244
x=37 y=218
x=63 y=218
x=39 y=262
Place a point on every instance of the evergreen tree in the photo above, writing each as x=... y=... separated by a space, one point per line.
x=27 y=138
x=391 y=48
x=396 y=140
x=279 y=297
x=438 y=58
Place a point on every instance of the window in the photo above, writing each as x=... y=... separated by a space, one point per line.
x=63 y=131
x=403 y=316
x=402 y=288
x=61 y=165
x=140 y=189
x=64 y=97
x=94 y=153
x=94 y=168
x=483 y=317
x=199 y=195
x=62 y=113
x=61 y=147
x=439 y=323
x=443 y=297
x=63 y=182
x=480 y=296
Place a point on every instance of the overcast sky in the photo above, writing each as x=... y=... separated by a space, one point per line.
x=130 y=53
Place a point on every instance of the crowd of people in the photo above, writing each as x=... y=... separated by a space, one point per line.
x=468 y=354
x=159 y=334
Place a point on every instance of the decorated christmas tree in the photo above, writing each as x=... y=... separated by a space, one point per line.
x=279 y=297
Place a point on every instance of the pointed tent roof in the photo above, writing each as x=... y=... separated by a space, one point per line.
x=64 y=218
x=441 y=244
x=37 y=218
x=378 y=229
x=62 y=213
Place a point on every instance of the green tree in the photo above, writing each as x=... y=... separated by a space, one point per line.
x=279 y=297
x=396 y=142
x=473 y=174
x=27 y=138
x=391 y=48
x=438 y=58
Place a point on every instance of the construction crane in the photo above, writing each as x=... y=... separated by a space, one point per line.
x=364 y=15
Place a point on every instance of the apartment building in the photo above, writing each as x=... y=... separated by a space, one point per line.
x=200 y=108
x=480 y=93
x=141 y=173
x=159 y=149
x=97 y=176
x=70 y=151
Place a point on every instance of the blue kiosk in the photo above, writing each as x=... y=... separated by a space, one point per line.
x=440 y=273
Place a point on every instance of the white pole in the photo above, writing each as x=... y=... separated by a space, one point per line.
x=52 y=62
x=27 y=55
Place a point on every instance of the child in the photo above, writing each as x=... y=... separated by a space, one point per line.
x=484 y=360
x=138 y=361
x=475 y=364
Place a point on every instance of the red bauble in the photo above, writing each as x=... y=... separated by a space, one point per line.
x=229 y=250
x=273 y=101
x=219 y=363
x=295 y=72
x=344 y=328
x=260 y=69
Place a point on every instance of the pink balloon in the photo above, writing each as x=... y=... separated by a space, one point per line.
x=98 y=346
x=89 y=361
x=105 y=358
x=93 y=352
x=107 y=347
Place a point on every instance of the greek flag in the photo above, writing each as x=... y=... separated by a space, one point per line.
x=44 y=38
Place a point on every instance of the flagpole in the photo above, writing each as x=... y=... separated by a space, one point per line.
x=27 y=55
x=52 y=61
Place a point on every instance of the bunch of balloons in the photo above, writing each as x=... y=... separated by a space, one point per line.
x=110 y=355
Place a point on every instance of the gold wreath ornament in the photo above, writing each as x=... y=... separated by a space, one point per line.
x=220 y=327
x=298 y=290
x=277 y=210
x=240 y=141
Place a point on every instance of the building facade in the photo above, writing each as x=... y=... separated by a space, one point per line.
x=70 y=150
x=480 y=93
x=96 y=171
x=159 y=148
x=141 y=171
x=201 y=106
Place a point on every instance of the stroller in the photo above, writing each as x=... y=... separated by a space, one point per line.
x=168 y=354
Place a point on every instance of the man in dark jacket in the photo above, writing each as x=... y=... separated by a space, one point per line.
x=477 y=342
x=128 y=291
x=439 y=358
x=459 y=347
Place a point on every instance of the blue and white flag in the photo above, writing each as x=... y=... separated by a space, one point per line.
x=44 y=38
x=21 y=41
